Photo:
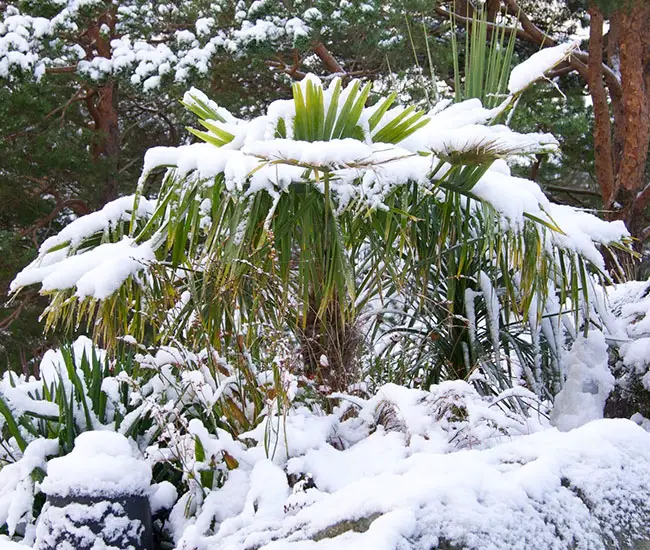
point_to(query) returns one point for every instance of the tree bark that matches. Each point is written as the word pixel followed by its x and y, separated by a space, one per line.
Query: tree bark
pixel 620 91
pixel 602 125
pixel 632 119
pixel 102 104
pixel 330 62
pixel 493 8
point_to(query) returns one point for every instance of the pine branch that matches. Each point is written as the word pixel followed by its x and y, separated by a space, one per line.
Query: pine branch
pixel 331 64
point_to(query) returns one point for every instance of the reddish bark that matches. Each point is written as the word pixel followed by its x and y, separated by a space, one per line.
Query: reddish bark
pixel 102 104
pixel 602 125
pixel 330 62
pixel 632 117
pixel 635 106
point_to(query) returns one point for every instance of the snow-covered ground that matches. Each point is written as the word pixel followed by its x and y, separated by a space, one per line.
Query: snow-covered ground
pixel 405 469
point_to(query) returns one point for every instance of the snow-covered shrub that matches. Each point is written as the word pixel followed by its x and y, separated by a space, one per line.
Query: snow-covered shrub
pixel 180 408
pixel 79 390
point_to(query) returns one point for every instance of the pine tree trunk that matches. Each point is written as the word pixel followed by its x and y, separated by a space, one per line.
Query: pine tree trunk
pixel 622 124
pixel 102 105
pixel 633 28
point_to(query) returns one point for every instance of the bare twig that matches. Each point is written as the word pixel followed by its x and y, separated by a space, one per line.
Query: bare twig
pixel 76 205
pixel 11 318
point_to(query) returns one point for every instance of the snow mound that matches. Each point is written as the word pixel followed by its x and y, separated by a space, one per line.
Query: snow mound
pixel 588 383
pixel 394 476
pixel 545 490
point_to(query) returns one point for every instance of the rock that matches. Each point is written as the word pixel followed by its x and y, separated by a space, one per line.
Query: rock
pixel 358 526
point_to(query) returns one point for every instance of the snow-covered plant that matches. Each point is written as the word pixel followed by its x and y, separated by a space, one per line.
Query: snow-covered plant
pixel 171 402
pixel 225 245
pixel 298 221
pixel 79 390
pixel 199 405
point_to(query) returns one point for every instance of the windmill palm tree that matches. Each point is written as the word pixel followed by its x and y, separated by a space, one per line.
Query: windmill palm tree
pixel 300 222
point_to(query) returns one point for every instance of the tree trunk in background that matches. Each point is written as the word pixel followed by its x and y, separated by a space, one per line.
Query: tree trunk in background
pixel 622 126
pixel 463 7
pixel 102 105
pixel 493 9
pixel 603 152
pixel 632 132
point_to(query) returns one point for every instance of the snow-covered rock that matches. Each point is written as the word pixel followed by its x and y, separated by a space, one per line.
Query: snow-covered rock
pixel 585 489
pixel 394 476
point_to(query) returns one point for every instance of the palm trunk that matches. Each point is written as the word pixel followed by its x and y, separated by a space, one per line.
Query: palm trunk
pixel 330 347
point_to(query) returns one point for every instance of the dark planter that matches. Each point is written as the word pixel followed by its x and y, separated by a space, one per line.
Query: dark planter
pixel 121 522
pixel 97 497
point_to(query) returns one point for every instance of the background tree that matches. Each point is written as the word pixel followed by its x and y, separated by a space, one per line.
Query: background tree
pixel 616 68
